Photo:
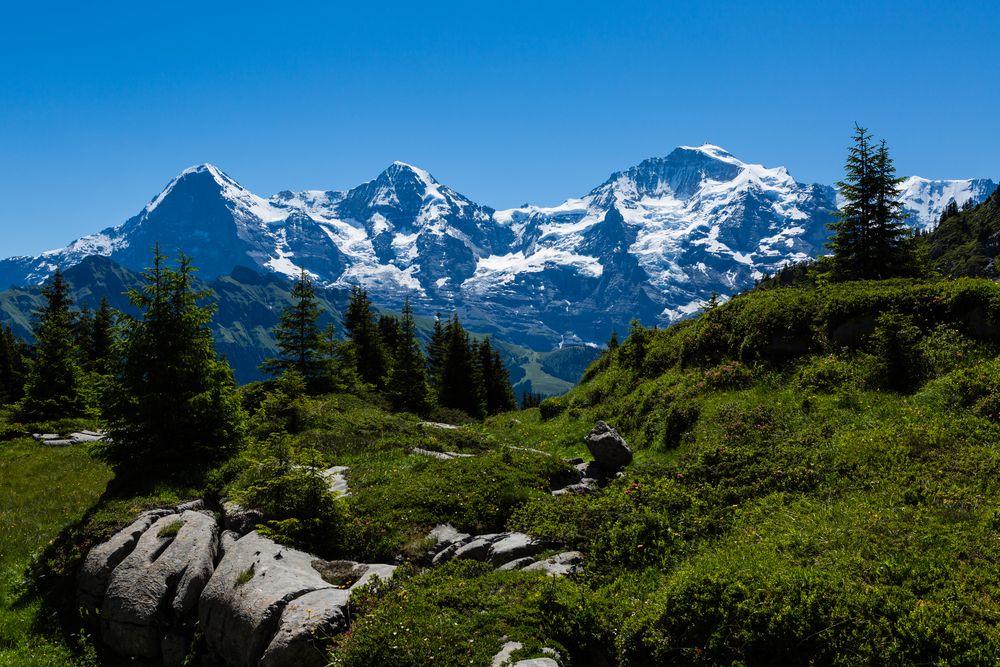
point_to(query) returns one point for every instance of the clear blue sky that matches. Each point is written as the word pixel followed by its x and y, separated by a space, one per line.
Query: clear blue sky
pixel 102 103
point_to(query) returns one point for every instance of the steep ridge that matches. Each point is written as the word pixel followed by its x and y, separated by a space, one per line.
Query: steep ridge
pixel 652 242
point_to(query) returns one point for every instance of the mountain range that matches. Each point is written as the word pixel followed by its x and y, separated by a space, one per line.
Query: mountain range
pixel 652 242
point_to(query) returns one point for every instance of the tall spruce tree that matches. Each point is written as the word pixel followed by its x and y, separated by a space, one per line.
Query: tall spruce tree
pixel 369 350
pixel 171 402
pixel 407 385
pixel 301 343
pixel 102 337
pixel 13 358
pixel 52 387
pixel 460 385
pixel 498 395
pixel 869 238
pixel 436 354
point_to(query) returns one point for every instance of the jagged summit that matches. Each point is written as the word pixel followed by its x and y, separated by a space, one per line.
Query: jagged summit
pixel 652 241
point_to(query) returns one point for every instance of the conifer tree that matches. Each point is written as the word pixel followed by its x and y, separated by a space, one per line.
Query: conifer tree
pixel 170 400
pixel 498 395
pixel 613 341
pixel 102 337
pixel 13 357
pixel 460 383
pixel 869 239
pixel 407 385
pixel 369 350
pixel 389 331
pixel 52 386
pixel 530 399
pixel 301 344
pixel 889 233
pixel 435 354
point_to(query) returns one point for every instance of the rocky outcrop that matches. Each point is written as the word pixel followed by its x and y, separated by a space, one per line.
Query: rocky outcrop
pixel 105 557
pixel 507 551
pixel 262 605
pixel 153 593
pixel 269 605
pixel 609 449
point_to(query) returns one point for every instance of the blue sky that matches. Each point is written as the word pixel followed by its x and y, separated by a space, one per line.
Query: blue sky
pixel 507 102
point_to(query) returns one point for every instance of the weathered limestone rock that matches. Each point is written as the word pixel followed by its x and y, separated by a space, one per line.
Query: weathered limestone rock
pixel 336 478
pixel 105 557
pixel 608 448
pixel 560 565
pixel 512 546
pixel 155 589
pixel 269 605
pixel 443 456
pixel 239 519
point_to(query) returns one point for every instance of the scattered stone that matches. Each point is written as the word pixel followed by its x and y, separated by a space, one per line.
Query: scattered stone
pixel 566 563
pixel 447 427
pixel 193 505
pixel 478 548
pixel 155 589
pixel 574 461
pixel 336 477
pixel 512 546
pixel 86 436
pixel 518 564
pixel 609 449
pixel 444 536
pixel 444 456
pixel 503 658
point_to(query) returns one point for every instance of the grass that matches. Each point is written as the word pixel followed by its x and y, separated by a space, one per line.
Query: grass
pixel 171 529
pixel 42 490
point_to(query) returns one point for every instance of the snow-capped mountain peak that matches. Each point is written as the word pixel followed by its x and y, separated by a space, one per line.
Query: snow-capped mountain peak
pixel 652 241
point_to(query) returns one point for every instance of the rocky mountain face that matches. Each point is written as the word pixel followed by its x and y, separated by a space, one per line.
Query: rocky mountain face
pixel 651 242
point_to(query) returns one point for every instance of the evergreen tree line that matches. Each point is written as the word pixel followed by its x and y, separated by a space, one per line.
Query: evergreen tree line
pixel 155 379
pixel 51 378
pixel 383 351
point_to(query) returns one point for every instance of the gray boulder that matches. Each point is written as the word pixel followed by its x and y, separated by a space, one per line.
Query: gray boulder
pixel 560 565
pixel 269 605
pixel 608 448
pixel 155 589
pixel 512 546
pixel 106 556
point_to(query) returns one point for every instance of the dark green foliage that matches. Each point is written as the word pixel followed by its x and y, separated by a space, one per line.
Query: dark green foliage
pixel 436 354
pixel 101 339
pixel 498 396
pixel 869 237
pixel 370 352
pixel 170 401
pixel 300 341
pixel 407 384
pixel 287 486
pixel 530 399
pixel 460 384
pixel 613 341
pixel 389 330
pixel 52 386
pixel 966 243
pixel 13 362
pixel 463 612
pixel 895 344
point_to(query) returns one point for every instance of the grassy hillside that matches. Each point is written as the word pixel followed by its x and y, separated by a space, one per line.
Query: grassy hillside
pixel 966 243
pixel 816 482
